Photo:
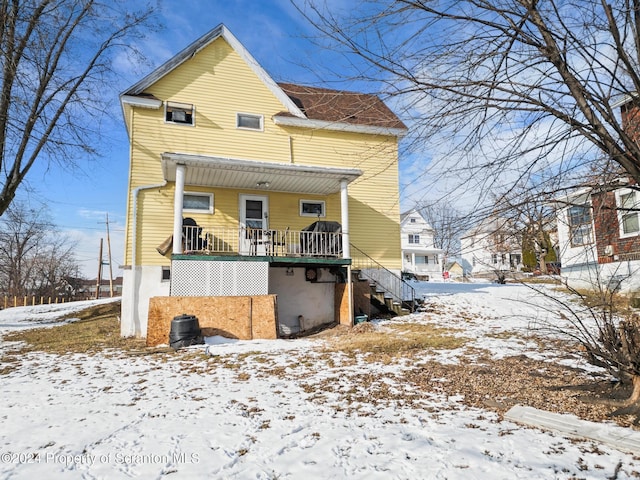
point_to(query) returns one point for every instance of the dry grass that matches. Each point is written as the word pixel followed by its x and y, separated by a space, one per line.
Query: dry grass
pixel 98 329
pixel 395 340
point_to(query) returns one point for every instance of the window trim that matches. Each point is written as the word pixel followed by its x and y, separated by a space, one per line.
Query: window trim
pixel 181 106
pixel 619 194
pixel 253 115
pixel 320 202
pixel 574 227
pixel 413 238
pixel 211 208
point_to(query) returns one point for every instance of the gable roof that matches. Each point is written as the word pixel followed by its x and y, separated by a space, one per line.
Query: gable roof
pixel 488 226
pixel 411 212
pixel 138 89
pixel 308 107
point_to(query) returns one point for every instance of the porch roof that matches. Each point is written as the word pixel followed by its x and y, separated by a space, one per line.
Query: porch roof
pixel 209 171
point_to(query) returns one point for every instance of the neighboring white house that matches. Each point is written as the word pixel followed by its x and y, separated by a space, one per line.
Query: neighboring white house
pixel 420 256
pixel 489 247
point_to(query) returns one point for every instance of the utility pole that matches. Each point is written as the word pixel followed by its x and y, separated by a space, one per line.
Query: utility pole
pixel 110 263
pixel 109 255
pixel 99 280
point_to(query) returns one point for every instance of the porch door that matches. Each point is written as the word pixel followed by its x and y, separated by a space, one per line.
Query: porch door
pixel 254 220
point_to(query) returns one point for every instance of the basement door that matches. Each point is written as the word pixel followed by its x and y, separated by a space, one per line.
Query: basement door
pixel 254 220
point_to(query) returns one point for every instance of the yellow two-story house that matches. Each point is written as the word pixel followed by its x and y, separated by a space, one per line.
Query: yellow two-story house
pixel 241 187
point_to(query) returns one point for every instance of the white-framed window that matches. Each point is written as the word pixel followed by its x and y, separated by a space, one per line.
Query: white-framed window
pixel 166 274
pixel 250 121
pixel 412 220
pixel 414 238
pixel 312 208
pixel 197 202
pixel 182 113
pixel 628 202
pixel 579 225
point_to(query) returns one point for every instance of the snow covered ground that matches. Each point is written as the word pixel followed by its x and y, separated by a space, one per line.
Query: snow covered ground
pixel 262 409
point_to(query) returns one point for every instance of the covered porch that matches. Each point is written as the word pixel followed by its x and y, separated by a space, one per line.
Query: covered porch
pixel 248 249
pixel 254 232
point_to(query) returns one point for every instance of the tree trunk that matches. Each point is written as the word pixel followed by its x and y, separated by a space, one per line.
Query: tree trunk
pixel 635 394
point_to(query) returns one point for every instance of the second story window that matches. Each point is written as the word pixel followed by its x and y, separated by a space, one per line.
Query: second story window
pixel 628 210
pixel 179 113
pixel 249 122
pixel 414 238
pixel 579 225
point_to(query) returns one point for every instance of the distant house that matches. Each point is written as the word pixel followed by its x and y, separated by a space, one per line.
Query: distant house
pixel 491 246
pixel 250 201
pixel 454 269
pixel 106 287
pixel 420 256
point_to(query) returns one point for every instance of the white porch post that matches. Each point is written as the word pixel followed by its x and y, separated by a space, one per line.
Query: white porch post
pixel 344 208
pixel 177 210
pixel 346 250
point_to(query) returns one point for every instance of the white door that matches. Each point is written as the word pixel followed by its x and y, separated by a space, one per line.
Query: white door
pixel 254 220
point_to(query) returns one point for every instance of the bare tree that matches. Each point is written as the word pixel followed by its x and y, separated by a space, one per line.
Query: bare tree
pixel 34 256
pixel 534 218
pixel 502 92
pixel 609 335
pixel 510 94
pixel 448 225
pixel 56 63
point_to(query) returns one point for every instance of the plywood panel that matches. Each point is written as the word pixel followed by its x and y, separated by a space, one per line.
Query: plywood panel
pixel 244 318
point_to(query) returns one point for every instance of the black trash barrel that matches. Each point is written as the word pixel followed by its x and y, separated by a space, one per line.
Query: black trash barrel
pixel 185 331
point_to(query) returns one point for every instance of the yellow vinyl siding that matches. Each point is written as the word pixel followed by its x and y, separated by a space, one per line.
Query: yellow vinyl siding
pixel 219 84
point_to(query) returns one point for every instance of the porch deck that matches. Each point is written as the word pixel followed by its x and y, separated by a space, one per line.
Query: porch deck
pixel 250 242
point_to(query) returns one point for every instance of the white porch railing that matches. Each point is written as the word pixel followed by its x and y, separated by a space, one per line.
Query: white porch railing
pixel 259 242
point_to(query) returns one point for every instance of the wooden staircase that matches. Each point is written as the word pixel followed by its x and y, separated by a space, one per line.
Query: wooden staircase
pixel 385 302
pixel 389 293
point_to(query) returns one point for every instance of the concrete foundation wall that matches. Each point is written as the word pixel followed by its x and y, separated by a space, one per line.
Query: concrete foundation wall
pixel 299 297
pixel 621 276
pixel 137 289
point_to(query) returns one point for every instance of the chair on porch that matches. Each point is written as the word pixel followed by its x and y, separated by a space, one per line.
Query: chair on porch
pixel 256 238
pixel 277 243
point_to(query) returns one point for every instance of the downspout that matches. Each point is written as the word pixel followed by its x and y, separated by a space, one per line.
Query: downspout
pixel 134 231
pixel 290 149
pixel 134 236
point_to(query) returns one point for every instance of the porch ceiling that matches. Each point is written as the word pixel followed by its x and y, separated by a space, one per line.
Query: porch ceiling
pixel 206 171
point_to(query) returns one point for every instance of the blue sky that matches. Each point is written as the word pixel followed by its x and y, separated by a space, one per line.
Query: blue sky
pixel 273 31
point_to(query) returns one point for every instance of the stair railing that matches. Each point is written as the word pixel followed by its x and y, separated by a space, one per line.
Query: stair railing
pixel 389 282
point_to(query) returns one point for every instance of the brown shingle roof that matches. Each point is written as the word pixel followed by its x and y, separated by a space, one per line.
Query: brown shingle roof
pixel 341 106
